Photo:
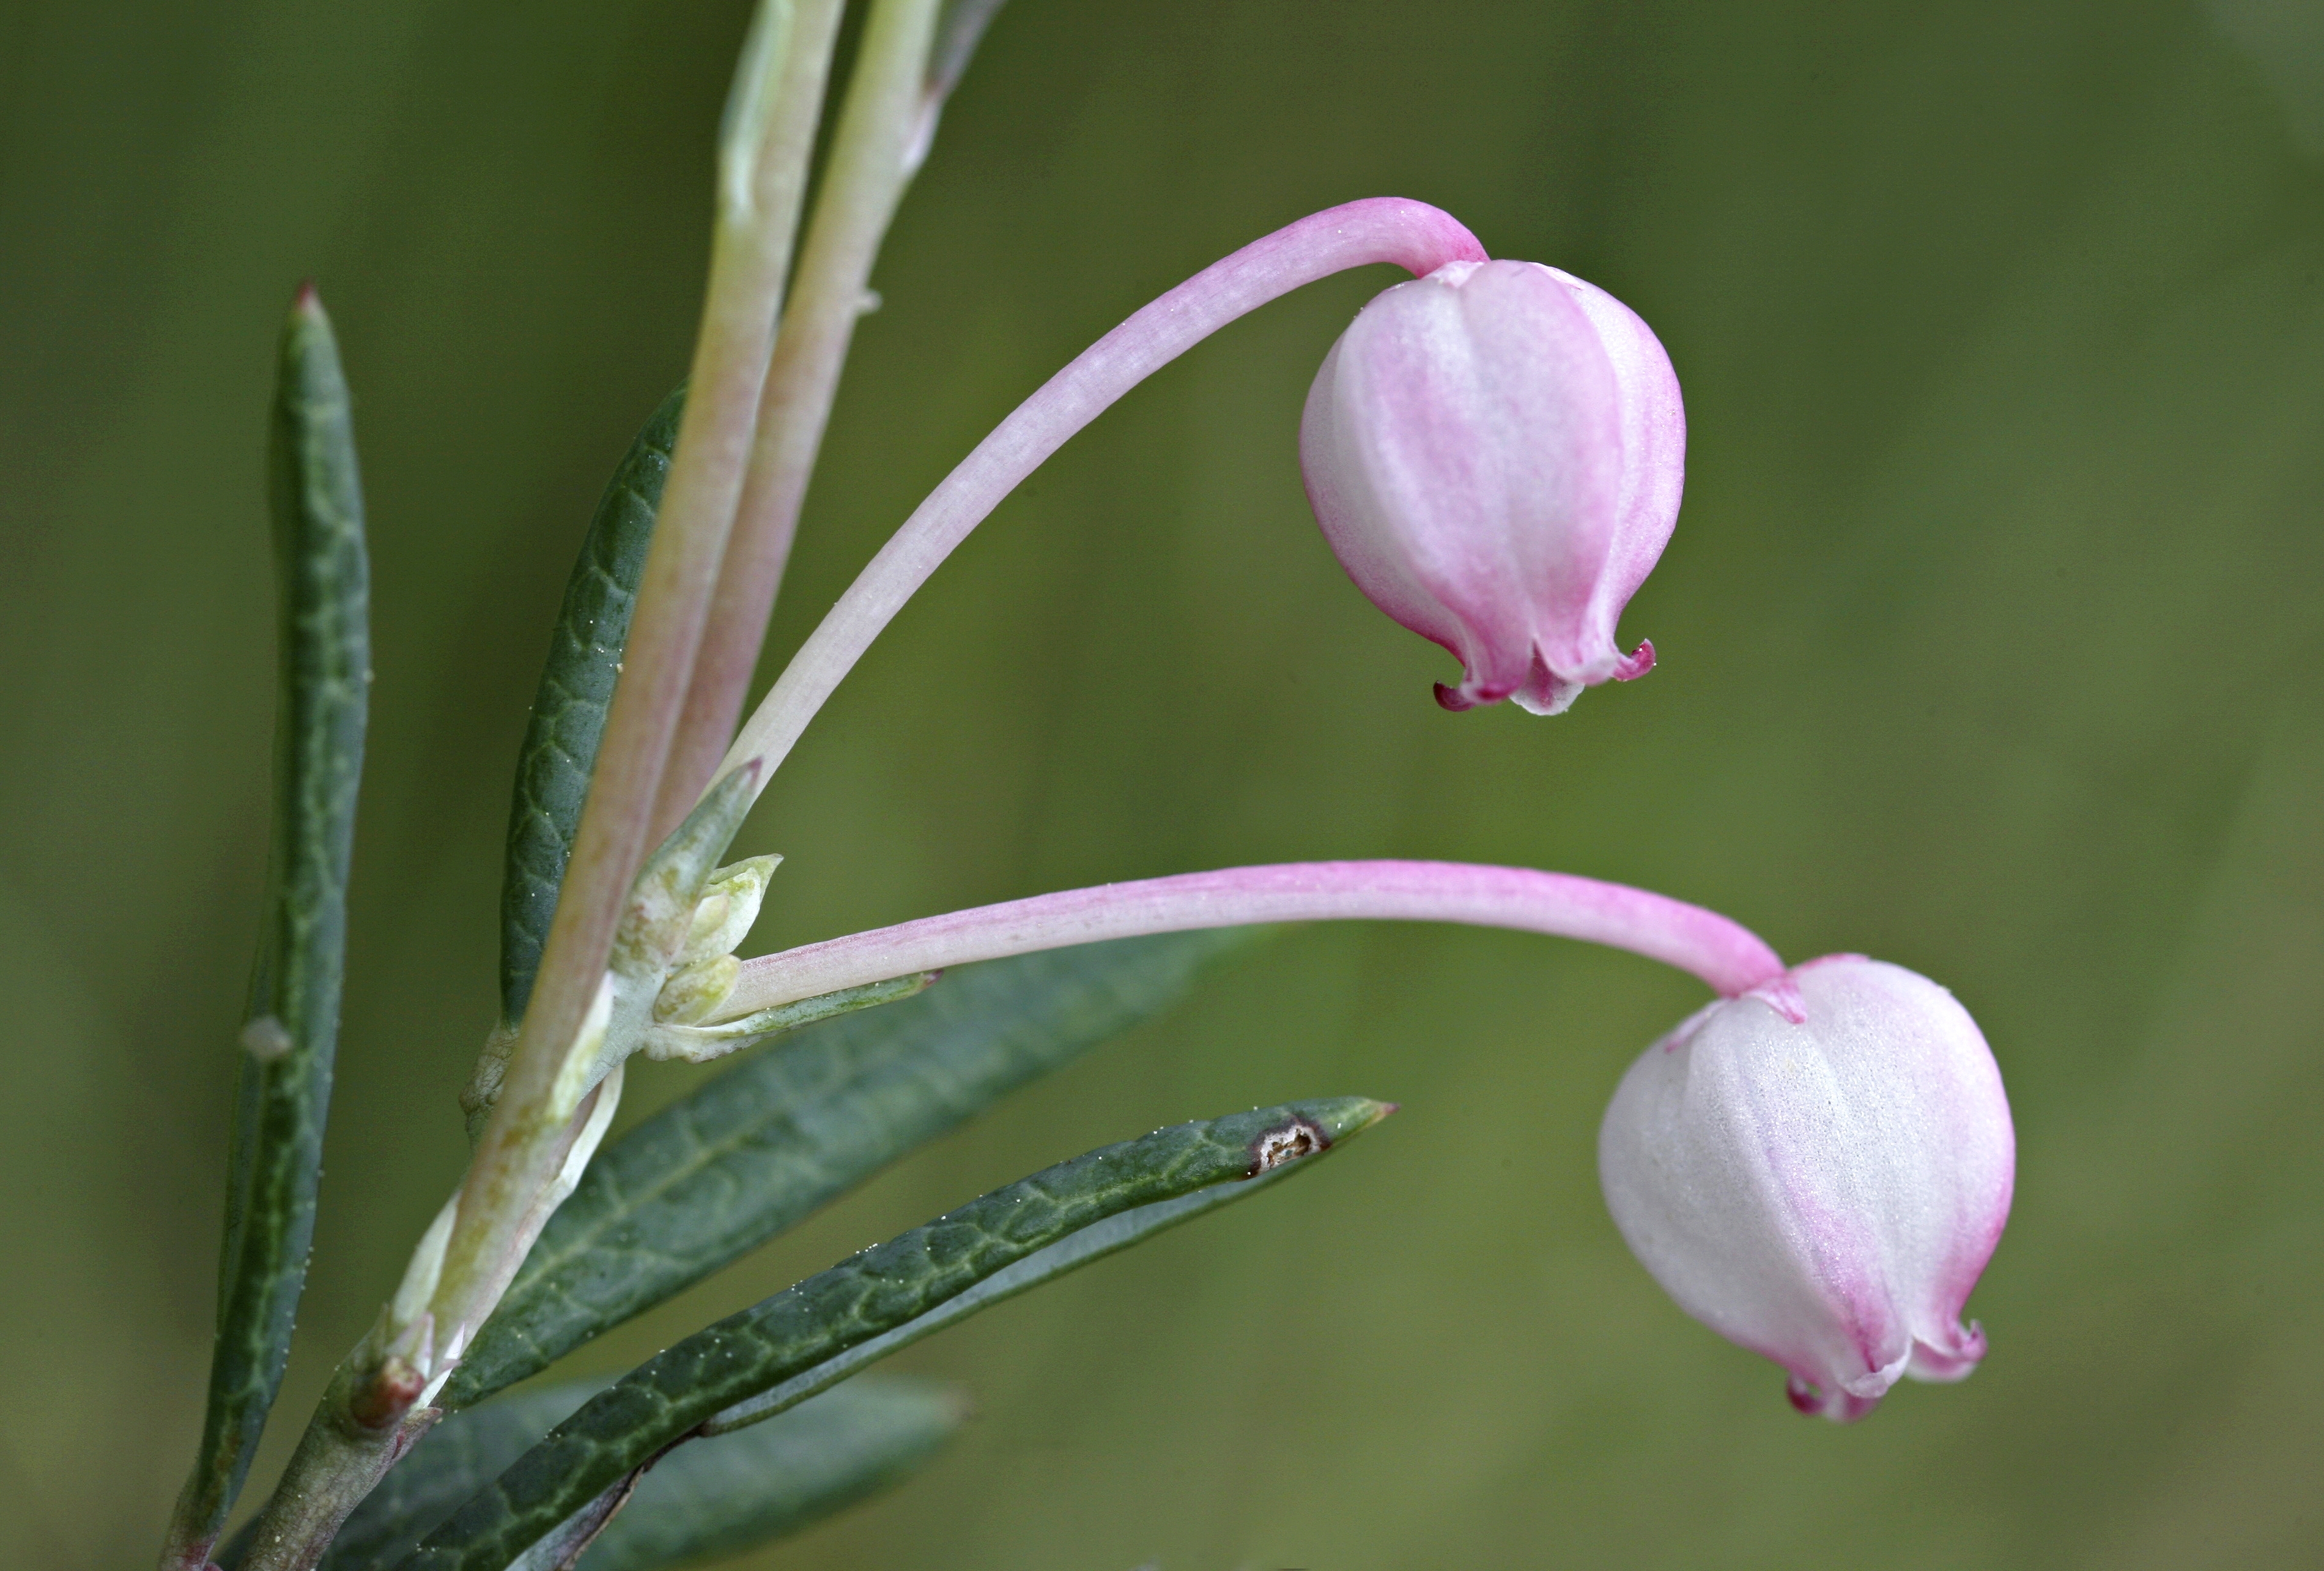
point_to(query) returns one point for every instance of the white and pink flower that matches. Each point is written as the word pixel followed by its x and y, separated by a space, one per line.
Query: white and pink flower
pixel 1495 453
pixel 1825 1192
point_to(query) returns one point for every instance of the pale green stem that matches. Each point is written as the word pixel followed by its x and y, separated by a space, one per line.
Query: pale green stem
pixel 767 144
pixel 523 1155
pixel 376 1406
pixel 339 1461
pixel 869 166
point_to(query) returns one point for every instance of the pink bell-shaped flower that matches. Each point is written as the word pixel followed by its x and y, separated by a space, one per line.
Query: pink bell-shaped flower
pixel 1495 453
pixel 1824 1193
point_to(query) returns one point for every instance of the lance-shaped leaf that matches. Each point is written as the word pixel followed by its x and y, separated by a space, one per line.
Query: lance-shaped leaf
pixel 284 1087
pixel 709 1499
pixel 700 1502
pixel 767 1143
pixel 670 1397
pixel 569 710
pixel 1094 1243
pixel 814 1386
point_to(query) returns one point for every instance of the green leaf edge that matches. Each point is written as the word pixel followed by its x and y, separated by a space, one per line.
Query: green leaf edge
pixel 1092 1244
pixel 671 1396
pixel 732 1493
pixel 1069 1254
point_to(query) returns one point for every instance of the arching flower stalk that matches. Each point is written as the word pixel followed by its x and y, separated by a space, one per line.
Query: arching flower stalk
pixel 1495 452
pixel 1730 958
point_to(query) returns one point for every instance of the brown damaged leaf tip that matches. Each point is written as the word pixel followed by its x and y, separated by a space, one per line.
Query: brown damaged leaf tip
pixel 1285 1142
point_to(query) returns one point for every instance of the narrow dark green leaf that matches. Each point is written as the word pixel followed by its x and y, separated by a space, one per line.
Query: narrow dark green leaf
pixel 671 1396
pixel 284 1087
pixel 1094 1243
pixel 710 1498
pixel 569 710
pixel 781 1134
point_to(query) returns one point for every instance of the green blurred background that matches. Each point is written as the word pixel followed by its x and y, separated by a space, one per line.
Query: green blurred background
pixel 1991 643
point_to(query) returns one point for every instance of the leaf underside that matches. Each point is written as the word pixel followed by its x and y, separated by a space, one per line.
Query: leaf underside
pixel 283 1087
pixel 762 1145
pixel 569 709
pixel 664 1400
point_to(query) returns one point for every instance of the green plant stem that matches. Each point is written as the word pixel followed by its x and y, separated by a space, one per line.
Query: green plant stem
pixel 769 139
pixel 766 145
pixel 340 1459
pixel 369 1416
pixel 871 165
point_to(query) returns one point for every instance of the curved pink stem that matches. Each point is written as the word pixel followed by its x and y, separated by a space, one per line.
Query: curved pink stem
pixel 1729 956
pixel 1413 236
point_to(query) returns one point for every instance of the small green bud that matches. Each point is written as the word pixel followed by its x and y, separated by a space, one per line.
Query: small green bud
pixel 694 992
pixel 729 904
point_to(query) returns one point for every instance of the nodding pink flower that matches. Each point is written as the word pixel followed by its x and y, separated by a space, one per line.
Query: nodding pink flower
pixel 1825 1193
pixel 1495 452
